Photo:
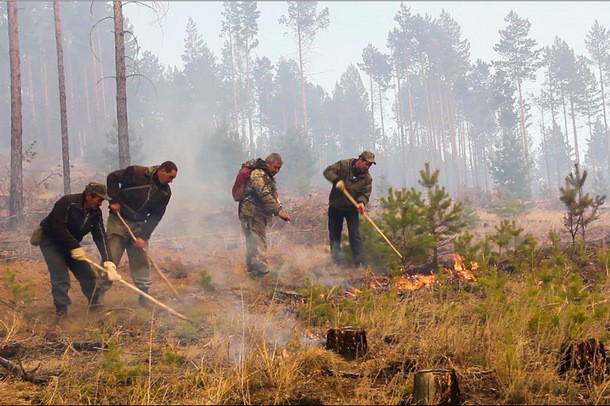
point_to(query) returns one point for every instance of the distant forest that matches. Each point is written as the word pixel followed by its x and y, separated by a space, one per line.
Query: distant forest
pixel 424 101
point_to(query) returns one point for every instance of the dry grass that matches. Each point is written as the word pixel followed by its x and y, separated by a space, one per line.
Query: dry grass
pixel 251 345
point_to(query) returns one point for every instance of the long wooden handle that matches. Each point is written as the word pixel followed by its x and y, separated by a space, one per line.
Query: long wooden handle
pixel 351 198
pixel 148 257
pixel 146 295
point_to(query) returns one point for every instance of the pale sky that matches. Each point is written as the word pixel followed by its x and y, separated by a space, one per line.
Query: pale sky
pixel 353 25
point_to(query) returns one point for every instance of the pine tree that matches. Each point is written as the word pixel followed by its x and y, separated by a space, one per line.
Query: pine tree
pixel 444 216
pixel 305 21
pixel 510 168
pixel 582 209
pixel 520 60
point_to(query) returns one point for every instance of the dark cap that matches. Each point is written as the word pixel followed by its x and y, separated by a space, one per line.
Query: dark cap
pixel 99 189
pixel 368 156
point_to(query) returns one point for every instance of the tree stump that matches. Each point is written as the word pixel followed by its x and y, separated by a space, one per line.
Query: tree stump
pixel 347 341
pixel 587 358
pixel 436 387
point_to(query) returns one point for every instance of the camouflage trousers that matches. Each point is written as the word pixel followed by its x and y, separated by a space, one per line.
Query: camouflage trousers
pixel 255 232
pixel 120 241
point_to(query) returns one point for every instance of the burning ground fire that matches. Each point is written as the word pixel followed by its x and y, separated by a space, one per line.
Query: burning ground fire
pixel 413 282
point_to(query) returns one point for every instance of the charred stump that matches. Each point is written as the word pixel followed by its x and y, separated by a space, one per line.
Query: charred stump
pixel 436 387
pixel 347 341
pixel 586 358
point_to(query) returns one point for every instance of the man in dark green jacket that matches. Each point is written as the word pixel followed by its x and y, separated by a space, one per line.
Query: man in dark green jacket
pixel 353 176
pixel 140 195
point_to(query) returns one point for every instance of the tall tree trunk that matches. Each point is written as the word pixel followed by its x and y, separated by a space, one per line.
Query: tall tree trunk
pixel 36 123
pixel 121 86
pixel 401 127
pixel 606 133
pixel 545 149
pixel 101 76
pixel 248 96
pixel 63 113
pixel 565 113
pixel 16 181
pixel 302 77
pixel 573 115
pixel 372 114
pixel 386 145
pixel 522 119
pixel 412 143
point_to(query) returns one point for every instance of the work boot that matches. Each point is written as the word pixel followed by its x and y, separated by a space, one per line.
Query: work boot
pixel 61 312
pixel 143 301
pixel 335 252
pixel 95 306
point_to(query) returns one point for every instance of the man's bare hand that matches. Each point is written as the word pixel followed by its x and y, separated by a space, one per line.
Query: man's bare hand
pixel 140 243
pixel 361 208
pixel 284 216
pixel 115 207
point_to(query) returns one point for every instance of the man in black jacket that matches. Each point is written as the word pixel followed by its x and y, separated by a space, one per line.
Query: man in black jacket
pixel 351 175
pixel 140 195
pixel 73 217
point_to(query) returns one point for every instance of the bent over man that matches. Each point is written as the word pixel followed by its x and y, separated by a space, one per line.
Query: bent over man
pixel 140 195
pixel 256 209
pixel 353 176
pixel 72 217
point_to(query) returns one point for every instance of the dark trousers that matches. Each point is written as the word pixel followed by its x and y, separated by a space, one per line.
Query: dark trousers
pixel 335 227
pixel 59 261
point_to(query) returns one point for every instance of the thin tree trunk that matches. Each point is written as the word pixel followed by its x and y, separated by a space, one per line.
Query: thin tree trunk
pixel 63 113
pixel 16 181
pixel 102 83
pixel 401 128
pixel 522 120
pixel 302 75
pixel 383 135
pixel 372 114
pixel 573 114
pixel 545 149
pixel 121 86
pixel 606 133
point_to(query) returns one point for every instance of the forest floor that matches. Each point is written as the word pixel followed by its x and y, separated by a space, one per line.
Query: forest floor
pixel 252 341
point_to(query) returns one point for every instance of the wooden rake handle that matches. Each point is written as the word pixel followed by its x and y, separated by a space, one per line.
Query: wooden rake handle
pixel 350 197
pixel 148 257
pixel 146 295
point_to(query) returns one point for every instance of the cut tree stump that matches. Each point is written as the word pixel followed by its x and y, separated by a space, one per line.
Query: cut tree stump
pixel 436 387
pixel 347 341
pixel 586 358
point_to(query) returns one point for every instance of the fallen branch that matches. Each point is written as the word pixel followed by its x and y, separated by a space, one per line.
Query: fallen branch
pixel 17 370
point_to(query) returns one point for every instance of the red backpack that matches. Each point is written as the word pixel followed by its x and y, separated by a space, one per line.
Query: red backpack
pixel 239 187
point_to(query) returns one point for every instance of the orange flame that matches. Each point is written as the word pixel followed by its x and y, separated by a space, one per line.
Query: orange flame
pixel 459 269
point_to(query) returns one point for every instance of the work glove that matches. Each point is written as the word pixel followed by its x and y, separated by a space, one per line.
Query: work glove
pixel 361 208
pixel 340 185
pixel 78 254
pixel 110 268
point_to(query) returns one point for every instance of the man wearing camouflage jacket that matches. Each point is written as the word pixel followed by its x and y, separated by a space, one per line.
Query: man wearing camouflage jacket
pixel 256 209
pixel 353 176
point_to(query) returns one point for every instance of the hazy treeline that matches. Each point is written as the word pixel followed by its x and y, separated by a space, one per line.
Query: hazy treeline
pixel 427 100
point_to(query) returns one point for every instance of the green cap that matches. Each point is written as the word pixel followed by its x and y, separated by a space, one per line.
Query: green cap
pixel 99 189
pixel 368 156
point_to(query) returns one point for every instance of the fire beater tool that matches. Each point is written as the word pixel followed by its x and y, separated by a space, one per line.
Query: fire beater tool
pixel 149 258
pixel 146 295
pixel 349 196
